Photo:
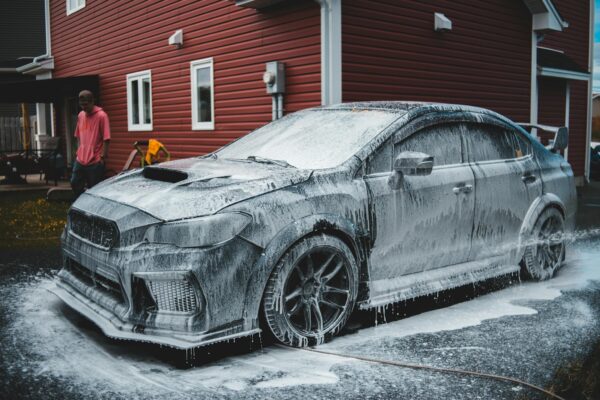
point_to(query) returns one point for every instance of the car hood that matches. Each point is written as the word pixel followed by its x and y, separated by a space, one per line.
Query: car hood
pixel 195 186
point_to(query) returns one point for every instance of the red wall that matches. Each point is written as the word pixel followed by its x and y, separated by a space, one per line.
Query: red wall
pixel 392 52
pixel 113 38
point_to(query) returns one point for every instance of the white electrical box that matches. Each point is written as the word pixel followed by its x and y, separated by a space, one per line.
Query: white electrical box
pixel 274 77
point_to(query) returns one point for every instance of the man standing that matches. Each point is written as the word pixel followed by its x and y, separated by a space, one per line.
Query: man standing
pixel 93 137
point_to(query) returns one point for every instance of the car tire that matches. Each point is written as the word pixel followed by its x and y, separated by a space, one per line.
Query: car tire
pixel 545 251
pixel 311 291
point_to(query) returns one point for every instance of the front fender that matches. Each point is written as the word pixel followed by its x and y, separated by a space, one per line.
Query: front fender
pixel 281 242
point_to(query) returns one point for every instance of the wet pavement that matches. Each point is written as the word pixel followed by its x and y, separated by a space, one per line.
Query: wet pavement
pixel 524 330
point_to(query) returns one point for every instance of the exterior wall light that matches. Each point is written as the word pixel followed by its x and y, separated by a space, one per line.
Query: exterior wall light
pixel 176 39
pixel 441 23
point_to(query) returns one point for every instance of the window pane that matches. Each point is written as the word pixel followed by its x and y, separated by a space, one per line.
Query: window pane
pixel 522 146
pixel 381 160
pixel 146 99
pixel 135 102
pixel 488 143
pixel 440 141
pixel 203 92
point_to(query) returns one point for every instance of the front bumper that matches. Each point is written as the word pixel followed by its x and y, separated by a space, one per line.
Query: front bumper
pixel 220 278
pixel 113 327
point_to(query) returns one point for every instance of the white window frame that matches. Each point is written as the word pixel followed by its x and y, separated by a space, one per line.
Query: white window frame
pixel 204 125
pixel 139 76
pixel 79 6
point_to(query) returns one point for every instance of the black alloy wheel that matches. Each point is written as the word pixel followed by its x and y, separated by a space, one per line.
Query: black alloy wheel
pixel 312 291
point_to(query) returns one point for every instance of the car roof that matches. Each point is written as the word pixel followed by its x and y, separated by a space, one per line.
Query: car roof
pixel 403 107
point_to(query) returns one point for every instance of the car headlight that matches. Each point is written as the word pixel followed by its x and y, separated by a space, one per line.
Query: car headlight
pixel 199 232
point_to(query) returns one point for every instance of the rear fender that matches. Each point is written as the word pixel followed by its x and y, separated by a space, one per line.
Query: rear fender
pixel 536 208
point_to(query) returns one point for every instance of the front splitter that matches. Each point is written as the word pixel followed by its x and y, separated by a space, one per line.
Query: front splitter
pixel 113 327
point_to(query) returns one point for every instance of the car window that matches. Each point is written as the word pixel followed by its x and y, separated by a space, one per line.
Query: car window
pixel 488 143
pixel 381 159
pixel 522 147
pixel 442 141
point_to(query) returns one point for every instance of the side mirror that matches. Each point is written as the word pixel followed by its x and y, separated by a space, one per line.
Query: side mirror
pixel 413 163
pixel 561 140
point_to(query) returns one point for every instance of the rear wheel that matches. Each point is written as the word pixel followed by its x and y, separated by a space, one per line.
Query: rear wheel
pixel 545 252
pixel 311 292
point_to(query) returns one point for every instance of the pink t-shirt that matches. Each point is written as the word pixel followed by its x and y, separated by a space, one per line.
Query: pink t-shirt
pixel 92 130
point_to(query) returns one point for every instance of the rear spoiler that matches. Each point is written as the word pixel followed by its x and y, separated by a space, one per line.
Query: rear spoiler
pixel 561 135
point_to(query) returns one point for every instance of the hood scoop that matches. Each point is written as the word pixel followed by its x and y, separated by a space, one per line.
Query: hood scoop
pixel 164 174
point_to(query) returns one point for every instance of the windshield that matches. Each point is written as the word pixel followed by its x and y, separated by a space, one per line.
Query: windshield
pixel 311 139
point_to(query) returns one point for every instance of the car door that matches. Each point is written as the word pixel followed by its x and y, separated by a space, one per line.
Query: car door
pixel 507 181
pixel 426 222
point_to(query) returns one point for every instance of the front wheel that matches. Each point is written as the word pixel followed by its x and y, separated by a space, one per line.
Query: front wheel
pixel 546 248
pixel 311 292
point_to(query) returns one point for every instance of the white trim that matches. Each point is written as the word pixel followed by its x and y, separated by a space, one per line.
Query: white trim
pixel 76 8
pixel 564 74
pixel 589 96
pixel 567 113
pixel 533 100
pixel 552 9
pixel 195 65
pixel 551 49
pixel 8 70
pixel 138 76
pixel 47 27
pixel 331 51
pixel 545 16
pixel 79 6
pixel 45 65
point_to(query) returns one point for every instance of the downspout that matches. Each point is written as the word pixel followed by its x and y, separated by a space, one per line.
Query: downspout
pixel 331 51
pixel 567 112
pixel 533 102
pixel 48 52
pixel 588 139
pixel 47 23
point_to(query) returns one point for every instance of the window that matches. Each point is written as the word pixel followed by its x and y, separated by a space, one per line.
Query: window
pixel 441 141
pixel 139 101
pixel 203 108
pixel 521 145
pixel 489 142
pixel 74 5
pixel 380 160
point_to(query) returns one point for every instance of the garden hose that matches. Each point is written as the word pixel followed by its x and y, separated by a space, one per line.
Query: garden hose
pixel 437 369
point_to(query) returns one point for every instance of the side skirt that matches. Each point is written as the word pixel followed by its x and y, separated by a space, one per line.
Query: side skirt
pixel 387 291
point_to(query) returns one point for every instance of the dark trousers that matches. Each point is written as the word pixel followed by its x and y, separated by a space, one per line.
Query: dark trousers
pixel 85 175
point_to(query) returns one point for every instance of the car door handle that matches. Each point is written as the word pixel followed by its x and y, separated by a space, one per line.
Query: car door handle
pixel 529 178
pixel 462 189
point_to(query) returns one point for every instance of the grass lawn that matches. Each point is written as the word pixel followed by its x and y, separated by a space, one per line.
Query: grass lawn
pixel 30 221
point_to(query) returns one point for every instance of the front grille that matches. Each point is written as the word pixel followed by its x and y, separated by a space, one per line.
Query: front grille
pixel 90 278
pixel 173 295
pixel 95 229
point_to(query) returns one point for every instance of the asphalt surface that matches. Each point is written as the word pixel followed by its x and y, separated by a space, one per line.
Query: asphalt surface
pixel 524 330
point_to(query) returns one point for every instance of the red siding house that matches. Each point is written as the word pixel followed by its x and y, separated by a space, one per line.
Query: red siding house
pixel 528 59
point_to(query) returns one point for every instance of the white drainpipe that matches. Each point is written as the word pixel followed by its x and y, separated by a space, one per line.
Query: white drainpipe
pixel 331 51
pixel 588 139
pixel 533 106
